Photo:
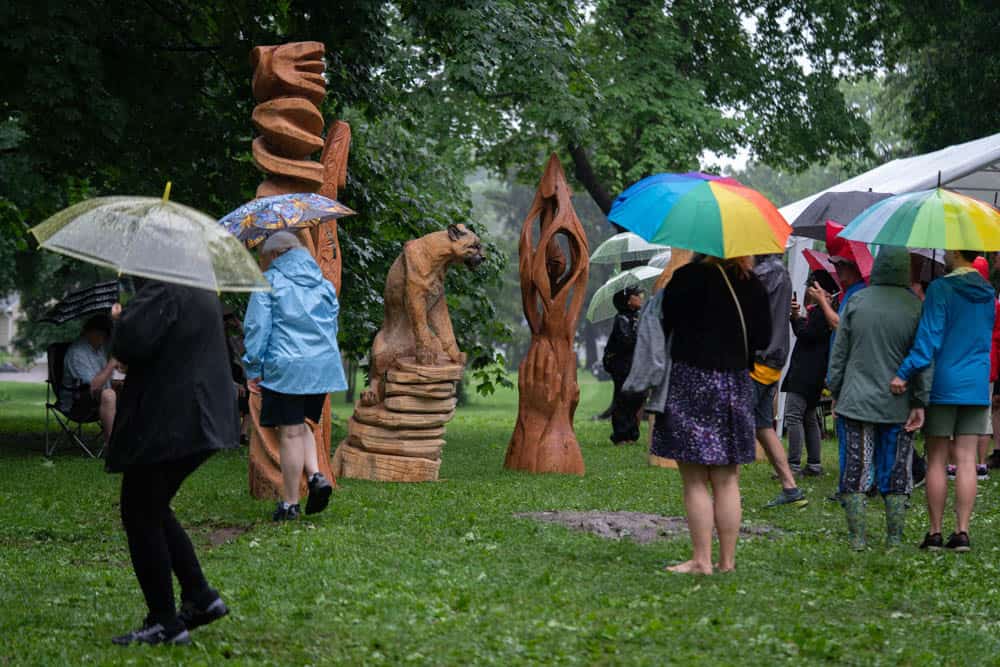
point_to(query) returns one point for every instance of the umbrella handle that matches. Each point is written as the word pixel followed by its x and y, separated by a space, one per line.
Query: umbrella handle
pixel 166 192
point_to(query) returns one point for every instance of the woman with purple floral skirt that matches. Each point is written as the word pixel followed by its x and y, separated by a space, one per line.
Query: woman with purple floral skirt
pixel 718 313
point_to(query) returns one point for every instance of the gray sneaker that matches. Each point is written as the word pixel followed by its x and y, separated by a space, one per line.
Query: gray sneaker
pixel 793 497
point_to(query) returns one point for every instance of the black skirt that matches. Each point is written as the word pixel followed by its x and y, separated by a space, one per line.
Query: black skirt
pixel 277 409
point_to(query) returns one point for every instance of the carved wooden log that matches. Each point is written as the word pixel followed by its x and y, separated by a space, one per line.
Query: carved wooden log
pixel 552 293
pixel 378 416
pixel 435 390
pixel 360 464
pixel 420 405
pixel 431 433
pixel 289 87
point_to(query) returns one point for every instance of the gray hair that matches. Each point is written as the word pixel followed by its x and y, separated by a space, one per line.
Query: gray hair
pixel 280 242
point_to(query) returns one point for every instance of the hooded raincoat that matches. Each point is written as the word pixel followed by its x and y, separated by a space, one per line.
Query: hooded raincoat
pixel 877 329
pixel 291 332
pixel 955 335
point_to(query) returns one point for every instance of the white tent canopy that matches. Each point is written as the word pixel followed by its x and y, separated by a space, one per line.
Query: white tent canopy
pixel 972 168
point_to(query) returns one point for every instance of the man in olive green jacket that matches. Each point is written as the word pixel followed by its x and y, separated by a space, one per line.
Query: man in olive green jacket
pixel 876 332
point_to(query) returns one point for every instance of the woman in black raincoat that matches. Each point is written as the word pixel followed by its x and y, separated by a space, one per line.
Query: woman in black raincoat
pixel 178 407
pixel 618 362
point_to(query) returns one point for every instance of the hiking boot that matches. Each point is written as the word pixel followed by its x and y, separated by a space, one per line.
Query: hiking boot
pixel 194 616
pixel 958 542
pixel 319 494
pixel 793 497
pixel 286 512
pixel 982 473
pixel 155 633
pixel 951 471
pixel 895 520
pixel 932 542
pixel 854 509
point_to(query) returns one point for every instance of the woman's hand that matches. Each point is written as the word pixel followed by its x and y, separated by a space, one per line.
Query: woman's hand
pixel 116 312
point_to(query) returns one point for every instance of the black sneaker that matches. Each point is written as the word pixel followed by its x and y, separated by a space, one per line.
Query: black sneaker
pixel 932 542
pixel 286 512
pixel 193 616
pixel 958 542
pixel 153 634
pixel 319 494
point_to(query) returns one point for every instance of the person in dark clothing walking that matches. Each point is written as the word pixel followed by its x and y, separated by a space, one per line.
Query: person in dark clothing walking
pixel 178 406
pixel 618 362
pixel 803 384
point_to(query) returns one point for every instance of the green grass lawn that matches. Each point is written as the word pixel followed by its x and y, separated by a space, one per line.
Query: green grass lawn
pixel 443 574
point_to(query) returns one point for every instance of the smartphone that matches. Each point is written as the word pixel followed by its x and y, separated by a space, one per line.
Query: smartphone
pixel 795 295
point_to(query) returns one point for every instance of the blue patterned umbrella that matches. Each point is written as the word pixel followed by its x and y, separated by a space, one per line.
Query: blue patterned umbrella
pixel 256 220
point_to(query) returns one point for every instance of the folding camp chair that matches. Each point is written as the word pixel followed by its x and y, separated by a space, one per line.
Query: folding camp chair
pixel 72 430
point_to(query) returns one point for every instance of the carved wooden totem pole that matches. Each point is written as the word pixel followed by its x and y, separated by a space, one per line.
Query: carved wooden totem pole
pixel 552 293
pixel 397 431
pixel 289 88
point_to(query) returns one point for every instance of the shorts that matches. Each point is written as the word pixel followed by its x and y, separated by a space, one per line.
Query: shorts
pixel 86 407
pixel 948 421
pixel 277 409
pixel 763 404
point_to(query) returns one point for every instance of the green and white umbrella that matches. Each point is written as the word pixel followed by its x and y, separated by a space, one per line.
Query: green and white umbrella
pixel 625 247
pixel 153 238
pixel 602 305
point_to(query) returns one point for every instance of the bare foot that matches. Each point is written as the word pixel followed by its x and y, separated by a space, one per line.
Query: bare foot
pixel 690 567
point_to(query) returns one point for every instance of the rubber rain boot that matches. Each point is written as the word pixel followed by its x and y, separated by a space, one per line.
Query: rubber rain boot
pixel 895 520
pixel 854 508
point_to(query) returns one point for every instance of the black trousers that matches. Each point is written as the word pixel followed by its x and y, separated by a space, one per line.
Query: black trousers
pixel 625 413
pixel 156 541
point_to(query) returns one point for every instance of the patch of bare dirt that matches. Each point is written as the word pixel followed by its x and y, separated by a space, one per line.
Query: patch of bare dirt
pixel 636 526
pixel 219 535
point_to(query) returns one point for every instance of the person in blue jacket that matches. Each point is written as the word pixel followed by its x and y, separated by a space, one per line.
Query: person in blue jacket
pixel 955 336
pixel 293 358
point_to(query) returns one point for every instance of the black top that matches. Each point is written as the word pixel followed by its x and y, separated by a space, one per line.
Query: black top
pixel 698 309
pixel 621 344
pixel 178 399
pixel 807 371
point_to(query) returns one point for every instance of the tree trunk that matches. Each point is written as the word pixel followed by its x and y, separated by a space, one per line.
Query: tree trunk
pixel 543 439
pixel 584 173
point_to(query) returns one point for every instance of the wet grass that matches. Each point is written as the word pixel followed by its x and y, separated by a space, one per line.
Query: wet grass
pixel 444 574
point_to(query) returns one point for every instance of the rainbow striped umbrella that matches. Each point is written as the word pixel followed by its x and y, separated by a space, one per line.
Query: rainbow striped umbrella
pixel 701 212
pixel 938 218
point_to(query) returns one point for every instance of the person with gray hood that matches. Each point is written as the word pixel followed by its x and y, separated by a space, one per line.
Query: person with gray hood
pixel 766 373
pixel 876 331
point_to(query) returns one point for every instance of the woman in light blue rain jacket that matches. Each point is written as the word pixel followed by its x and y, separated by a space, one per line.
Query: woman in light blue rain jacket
pixel 293 357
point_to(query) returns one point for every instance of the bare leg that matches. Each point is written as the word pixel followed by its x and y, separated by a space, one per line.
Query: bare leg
pixel 984 449
pixel 292 461
pixel 728 512
pixel 700 518
pixel 936 480
pixel 309 451
pixel 109 405
pixel 777 456
pixel 964 454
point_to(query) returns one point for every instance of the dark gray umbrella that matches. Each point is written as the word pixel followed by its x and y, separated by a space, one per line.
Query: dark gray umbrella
pixel 841 207
pixel 95 299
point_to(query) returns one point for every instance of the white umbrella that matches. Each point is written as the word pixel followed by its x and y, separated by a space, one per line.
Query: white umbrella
pixel 625 247
pixel 660 261
pixel 153 238
pixel 602 306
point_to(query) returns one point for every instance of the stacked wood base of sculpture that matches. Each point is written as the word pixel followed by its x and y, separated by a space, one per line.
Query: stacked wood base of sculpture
pixel 401 438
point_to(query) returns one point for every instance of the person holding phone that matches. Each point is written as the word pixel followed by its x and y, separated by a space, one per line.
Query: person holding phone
pixel 804 381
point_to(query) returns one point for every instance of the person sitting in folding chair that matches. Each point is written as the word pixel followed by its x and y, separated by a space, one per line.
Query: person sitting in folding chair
pixel 87 369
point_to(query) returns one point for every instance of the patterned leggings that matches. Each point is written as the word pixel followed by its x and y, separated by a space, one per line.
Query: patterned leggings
pixel 877 455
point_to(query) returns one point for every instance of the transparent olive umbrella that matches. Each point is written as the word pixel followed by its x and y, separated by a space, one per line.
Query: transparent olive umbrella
pixel 602 306
pixel 153 238
pixel 625 247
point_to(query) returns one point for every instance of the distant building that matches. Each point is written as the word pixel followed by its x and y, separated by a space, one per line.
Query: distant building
pixel 10 313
